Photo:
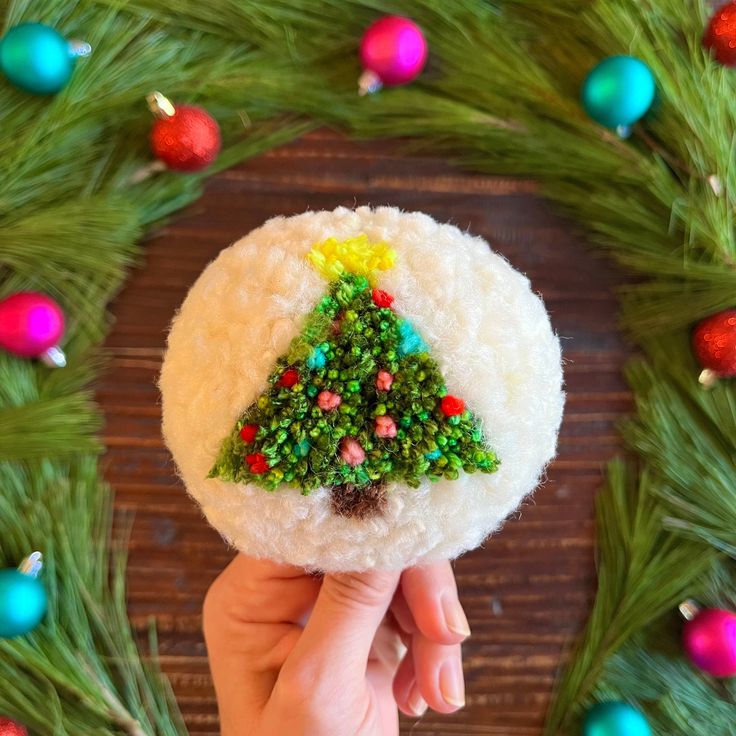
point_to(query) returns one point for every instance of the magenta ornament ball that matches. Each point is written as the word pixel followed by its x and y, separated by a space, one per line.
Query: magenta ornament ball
pixel 30 324
pixel 394 48
pixel 709 640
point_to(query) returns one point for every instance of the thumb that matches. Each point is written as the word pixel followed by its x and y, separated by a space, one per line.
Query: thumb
pixel 338 637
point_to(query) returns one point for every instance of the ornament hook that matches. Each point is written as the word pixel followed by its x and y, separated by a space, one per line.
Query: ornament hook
pixel 688 609
pixel 160 105
pixel 32 565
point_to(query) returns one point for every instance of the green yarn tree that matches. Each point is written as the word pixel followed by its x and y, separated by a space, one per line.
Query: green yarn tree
pixel 356 402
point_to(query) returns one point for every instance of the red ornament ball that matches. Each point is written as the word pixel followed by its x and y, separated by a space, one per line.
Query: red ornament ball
pixel 289 378
pixel 248 433
pixel 709 640
pixel 30 324
pixel 394 49
pixel 11 728
pixel 720 35
pixel 382 298
pixel 714 343
pixel 188 140
pixel 452 406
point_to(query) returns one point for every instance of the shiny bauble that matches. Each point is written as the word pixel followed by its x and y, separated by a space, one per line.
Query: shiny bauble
pixel 709 640
pixel 618 91
pixel 187 140
pixel 22 603
pixel 714 343
pixel 36 58
pixel 393 51
pixel 31 324
pixel 9 727
pixel 615 718
pixel 720 35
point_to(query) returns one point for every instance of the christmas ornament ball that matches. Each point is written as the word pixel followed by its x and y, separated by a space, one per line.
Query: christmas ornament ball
pixel 22 603
pixel 709 640
pixel 714 343
pixel 36 58
pixel 394 49
pixel 720 34
pixel 9 727
pixel 618 91
pixel 30 324
pixel 615 718
pixel 461 310
pixel 188 140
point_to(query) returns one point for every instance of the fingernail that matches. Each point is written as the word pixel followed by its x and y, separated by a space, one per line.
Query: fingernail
pixel 455 618
pixel 452 685
pixel 417 704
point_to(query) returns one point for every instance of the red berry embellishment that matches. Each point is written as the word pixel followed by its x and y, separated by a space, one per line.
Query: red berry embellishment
pixel 289 378
pixel 248 433
pixel 382 298
pixel 452 406
pixel 257 463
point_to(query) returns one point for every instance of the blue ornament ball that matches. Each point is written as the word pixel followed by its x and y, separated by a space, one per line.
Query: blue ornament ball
pixel 36 58
pixel 22 603
pixel 618 91
pixel 615 718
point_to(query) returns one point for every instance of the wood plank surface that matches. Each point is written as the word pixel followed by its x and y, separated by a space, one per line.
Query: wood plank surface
pixel 529 589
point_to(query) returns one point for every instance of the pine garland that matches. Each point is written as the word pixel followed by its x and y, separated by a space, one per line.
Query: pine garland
pixel 500 96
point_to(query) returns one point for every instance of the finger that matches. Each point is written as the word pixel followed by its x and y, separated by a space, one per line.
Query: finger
pixel 250 620
pixel 401 613
pixel 341 629
pixel 386 653
pixel 439 674
pixel 430 592
pixel 406 690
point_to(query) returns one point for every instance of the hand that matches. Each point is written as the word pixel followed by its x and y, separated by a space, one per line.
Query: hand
pixel 293 653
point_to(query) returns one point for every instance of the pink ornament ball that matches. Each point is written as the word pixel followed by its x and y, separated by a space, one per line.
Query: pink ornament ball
pixel 709 640
pixel 30 324
pixel 394 49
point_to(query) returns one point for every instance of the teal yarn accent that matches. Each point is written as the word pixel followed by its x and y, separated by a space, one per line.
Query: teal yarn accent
pixel 410 340
pixel 346 340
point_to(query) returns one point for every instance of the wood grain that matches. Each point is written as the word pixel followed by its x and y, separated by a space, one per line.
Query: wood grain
pixel 528 590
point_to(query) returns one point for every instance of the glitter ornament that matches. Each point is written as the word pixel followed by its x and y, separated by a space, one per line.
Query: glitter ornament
pixel 11 728
pixel 714 345
pixel 38 59
pixel 185 138
pixel 393 51
pixel 618 91
pixel 31 326
pixel 22 598
pixel 720 35
pixel 615 718
pixel 709 639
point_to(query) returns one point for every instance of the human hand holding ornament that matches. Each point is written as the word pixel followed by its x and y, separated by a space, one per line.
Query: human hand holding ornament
pixel 294 653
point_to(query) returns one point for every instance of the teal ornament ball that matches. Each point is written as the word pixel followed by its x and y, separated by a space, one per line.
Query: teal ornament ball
pixel 618 91
pixel 615 718
pixel 36 58
pixel 22 603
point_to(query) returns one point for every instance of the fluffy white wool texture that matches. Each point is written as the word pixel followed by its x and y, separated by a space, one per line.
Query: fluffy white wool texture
pixel 489 333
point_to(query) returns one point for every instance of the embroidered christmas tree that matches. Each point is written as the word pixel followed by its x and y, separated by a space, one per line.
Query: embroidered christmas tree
pixel 356 402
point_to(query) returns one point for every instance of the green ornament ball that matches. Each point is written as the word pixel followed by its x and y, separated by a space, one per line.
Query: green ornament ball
pixel 615 718
pixel 22 603
pixel 618 91
pixel 36 58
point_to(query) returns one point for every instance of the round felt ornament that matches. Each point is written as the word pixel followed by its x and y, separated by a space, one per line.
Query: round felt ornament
pixel 360 389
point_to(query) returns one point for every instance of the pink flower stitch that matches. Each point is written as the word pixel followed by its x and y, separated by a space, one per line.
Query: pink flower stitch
pixel 351 451
pixel 385 427
pixel 328 401
pixel 384 380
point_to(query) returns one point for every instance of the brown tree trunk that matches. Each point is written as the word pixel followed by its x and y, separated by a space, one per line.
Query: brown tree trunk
pixel 359 502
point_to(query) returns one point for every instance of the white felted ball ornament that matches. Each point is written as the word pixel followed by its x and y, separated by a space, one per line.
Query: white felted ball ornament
pixel 360 389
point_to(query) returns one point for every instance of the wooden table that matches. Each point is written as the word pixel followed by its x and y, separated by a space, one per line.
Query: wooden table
pixel 528 591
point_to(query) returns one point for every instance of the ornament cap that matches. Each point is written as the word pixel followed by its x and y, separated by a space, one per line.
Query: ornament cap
pixel 160 105
pixel 624 131
pixel 368 83
pixel 32 565
pixel 708 378
pixel 54 357
pixel 79 48
pixel 688 609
